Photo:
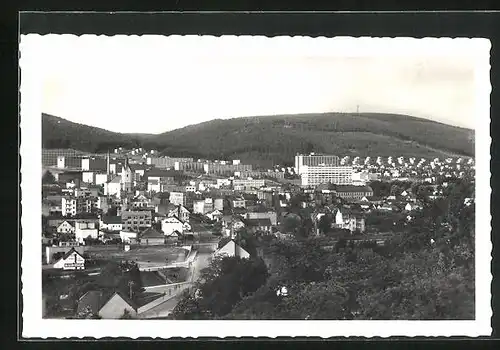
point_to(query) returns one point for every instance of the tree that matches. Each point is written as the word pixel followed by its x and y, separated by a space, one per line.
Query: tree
pixel 48 178
pixel 291 223
pixel 325 223
pixel 225 282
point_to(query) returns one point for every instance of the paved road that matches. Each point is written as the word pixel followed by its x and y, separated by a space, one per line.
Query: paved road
pixel 202 261
pixel 163 310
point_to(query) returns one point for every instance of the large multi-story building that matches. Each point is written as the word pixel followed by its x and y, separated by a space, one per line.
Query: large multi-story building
pixel 94 164
pixel 71 206
pixel 225 169
pixel 241 184
pixel 197 167
pixel 303 161
pixel 317 175
pixel 49 156
pixel 166 162
pixel 69 162
pixel 354 192
pixel 263 174
pixel 136 221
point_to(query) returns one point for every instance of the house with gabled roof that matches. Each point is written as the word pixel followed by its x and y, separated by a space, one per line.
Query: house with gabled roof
pixel 214 215
pixel 116 306
pixel 110 223
pixel 171 224
pixel 232 249
pixel 72 260
pixel 90 303
pixel 151 236
pixel 259 224
pixel 66 227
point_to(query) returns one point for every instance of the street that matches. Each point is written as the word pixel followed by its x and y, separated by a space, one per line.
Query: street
pixel 201 261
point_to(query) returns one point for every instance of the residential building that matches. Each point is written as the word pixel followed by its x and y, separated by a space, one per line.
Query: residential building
pixel 231 224
pixel 179 211
pixel 71 176
pixel 232 249
pixel 150 236
pixel 238 203
pixel 258 225
pixel 197 167
pixel 353 192
pixel 88 177
pixel 52 207
pixel 225 169
pixel 177 198
pixel 140 202
pixel 136 221
pixel 101 179
pixel 166 162
pixel 72 260
pixel 103 204
pixel 49 156
pixel 218 204
pixel 278 175
pixel 66 227
pixel 243 184
pixel 110 223
pixel 94 164
pixel 190 188
pixel 116 306
pixel 159 180
pixel 223 183
pixel 271 215
pixel 203 206
pixel 171 224
pixel 214 215
pixel 316 175
pixel 314 160
pixel 71 206
pixel 85 230
pixel 128 236
pixel 349 220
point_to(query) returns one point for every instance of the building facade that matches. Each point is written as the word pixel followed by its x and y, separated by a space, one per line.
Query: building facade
pixel 136 221
pixel 248 183
pixel 313 160
pixel 317 175
pixel 354 192
pixel 177 198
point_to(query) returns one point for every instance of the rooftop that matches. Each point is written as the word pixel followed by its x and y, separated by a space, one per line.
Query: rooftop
pixel 351 188
pixel 112 219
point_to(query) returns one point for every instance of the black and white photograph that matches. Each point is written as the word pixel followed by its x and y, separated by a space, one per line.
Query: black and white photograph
pixel 246 178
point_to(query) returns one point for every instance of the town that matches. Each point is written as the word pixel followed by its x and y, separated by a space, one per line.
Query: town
pixel 129 233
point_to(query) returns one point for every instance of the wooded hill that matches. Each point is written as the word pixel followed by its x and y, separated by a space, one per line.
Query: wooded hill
pixel 276 139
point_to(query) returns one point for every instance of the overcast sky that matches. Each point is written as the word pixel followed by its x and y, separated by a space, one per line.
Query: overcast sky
pixel 157 84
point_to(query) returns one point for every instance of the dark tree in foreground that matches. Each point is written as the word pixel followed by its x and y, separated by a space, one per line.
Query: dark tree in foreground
pixel 225 282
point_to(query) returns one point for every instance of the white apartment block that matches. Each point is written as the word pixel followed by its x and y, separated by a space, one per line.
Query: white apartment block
pixel 312 160
pixel 249 183
pixel 68 206
pixel 316 175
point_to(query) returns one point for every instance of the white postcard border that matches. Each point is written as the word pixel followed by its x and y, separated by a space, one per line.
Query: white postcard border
pixel 31 65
